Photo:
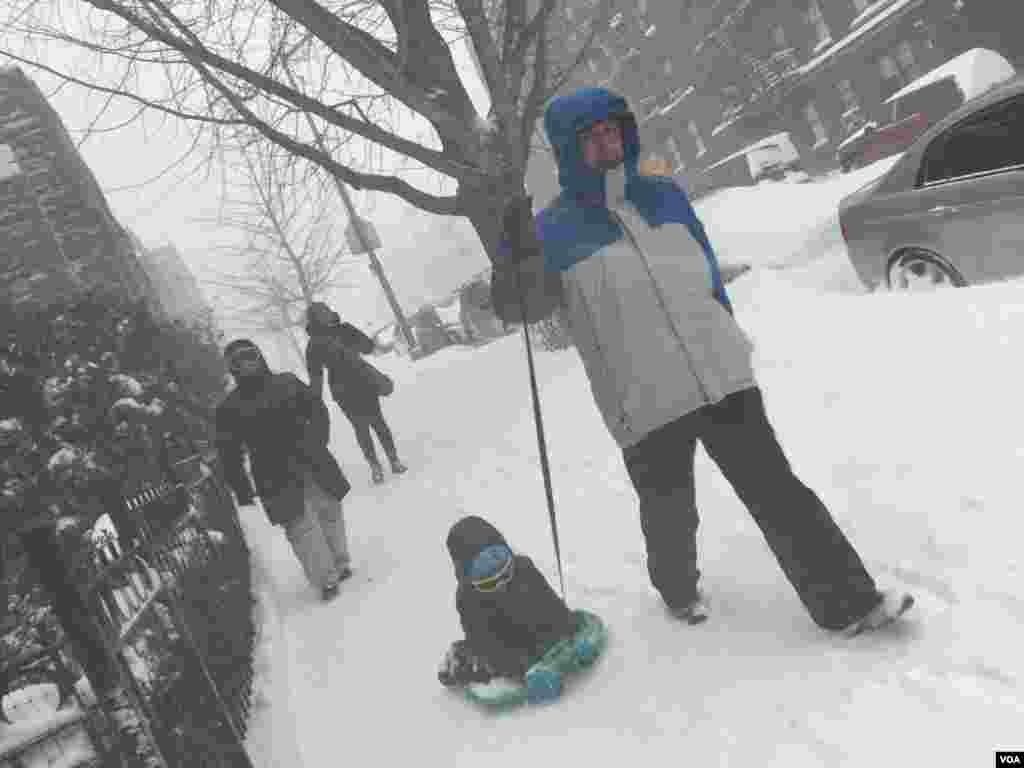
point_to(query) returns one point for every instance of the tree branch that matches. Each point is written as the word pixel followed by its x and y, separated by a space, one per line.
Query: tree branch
pixel 380 66
pixel 195 52
pixel 191 116
pixel 486 50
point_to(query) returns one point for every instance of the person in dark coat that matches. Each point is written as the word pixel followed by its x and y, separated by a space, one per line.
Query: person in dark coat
pixel 284 428
pixel 510 614
pixel 337 346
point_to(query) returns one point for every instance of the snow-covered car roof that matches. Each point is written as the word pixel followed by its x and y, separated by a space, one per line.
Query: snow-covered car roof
pixel 975 71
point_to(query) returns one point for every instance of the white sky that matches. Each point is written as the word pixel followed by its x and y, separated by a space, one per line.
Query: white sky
pixel 170 209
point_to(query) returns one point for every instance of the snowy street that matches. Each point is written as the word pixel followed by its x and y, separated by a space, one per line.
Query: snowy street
pixel 903 413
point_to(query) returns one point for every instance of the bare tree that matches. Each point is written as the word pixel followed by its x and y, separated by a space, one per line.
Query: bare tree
pixel 287 239
pixel 287 71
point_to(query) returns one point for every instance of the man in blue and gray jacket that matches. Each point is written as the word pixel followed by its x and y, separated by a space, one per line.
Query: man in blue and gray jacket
pixel 627 260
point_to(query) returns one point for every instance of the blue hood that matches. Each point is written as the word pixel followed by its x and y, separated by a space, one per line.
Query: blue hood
pixel 566 117
pixel 577 225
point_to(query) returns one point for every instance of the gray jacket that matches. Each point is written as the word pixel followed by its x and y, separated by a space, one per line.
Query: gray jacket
pixel 655 342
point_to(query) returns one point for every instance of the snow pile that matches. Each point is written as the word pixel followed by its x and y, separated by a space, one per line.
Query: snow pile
pixel 774 224
pixel 270 737
pixel 35 720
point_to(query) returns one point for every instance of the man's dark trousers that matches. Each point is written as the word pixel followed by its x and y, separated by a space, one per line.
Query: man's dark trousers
pixel 815 555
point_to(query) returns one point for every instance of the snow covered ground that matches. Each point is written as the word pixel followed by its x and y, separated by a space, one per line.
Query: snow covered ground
pixel 903 412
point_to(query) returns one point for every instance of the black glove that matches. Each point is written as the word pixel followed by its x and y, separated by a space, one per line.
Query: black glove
pixel 461 667
pixel 518 231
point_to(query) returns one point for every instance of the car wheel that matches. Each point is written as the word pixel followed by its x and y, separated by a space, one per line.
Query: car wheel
pixel 917 270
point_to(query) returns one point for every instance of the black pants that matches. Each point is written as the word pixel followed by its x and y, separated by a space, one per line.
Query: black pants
pixel 365 415
pixel 813 552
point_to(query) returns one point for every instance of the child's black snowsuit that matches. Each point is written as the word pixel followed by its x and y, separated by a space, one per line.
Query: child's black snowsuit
pixel 507 630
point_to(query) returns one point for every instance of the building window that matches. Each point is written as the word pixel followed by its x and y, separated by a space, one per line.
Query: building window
pixel 848 95
pixel 701 146
pixel 779 35
pixel 817 20
pixel 817 125
pixel 907 60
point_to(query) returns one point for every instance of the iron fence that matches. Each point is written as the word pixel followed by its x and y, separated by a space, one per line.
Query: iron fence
pixel 156 610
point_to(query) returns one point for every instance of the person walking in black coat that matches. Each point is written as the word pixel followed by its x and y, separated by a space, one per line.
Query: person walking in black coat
pixel 284 428
pixel 354 384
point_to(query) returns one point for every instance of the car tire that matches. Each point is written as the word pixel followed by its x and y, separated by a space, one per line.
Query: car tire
pixel 917 269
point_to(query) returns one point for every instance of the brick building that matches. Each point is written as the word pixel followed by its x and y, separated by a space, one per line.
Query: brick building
pixel 174 284
pixel 57 232
pixel 639 52
pixel 815 68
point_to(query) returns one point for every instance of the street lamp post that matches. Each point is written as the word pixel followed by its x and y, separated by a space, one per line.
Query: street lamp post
pixel 361 235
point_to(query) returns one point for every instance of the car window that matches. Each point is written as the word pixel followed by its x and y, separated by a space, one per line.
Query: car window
pixel 988 141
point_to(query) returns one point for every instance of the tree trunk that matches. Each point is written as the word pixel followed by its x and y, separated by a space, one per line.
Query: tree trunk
pixel 484 208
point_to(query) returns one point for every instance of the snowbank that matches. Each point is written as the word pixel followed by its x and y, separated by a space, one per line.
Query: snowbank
pixel 775 224
pixel 270 737
pixel 48 735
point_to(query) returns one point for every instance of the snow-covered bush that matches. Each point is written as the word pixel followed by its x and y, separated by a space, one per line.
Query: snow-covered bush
pixel 97 397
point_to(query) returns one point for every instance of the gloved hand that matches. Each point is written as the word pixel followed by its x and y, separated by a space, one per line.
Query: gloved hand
pixel 460 667
pixel 542 685
pixel 518 231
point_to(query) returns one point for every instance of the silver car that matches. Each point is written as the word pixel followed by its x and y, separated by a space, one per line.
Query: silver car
pixel 951 210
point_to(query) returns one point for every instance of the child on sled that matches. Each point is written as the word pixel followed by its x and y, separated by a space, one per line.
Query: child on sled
pixel 510 614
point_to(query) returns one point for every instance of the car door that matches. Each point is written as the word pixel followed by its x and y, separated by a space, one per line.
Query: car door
pixel 970 193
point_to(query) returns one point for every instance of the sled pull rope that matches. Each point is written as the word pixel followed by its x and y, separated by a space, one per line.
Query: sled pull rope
pixel 545 467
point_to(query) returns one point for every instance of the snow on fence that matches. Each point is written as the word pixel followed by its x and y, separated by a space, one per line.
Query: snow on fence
pixel 157 612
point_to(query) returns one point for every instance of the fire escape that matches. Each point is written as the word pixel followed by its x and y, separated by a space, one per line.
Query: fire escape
pixel 758 78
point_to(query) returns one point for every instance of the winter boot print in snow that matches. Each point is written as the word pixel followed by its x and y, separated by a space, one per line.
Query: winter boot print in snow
pixel 890 607
pixel 693 612
pixel 377 474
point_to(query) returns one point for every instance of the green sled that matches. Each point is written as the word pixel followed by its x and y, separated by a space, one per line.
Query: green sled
pixel 566 657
